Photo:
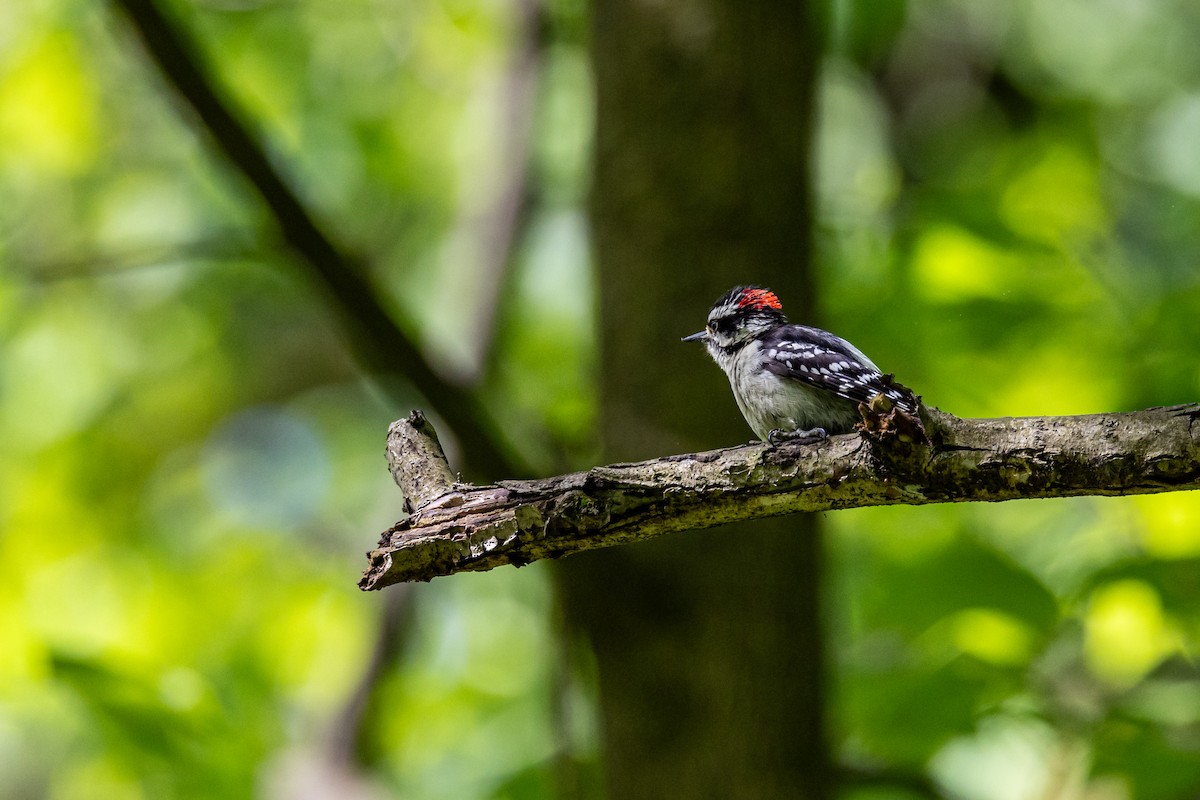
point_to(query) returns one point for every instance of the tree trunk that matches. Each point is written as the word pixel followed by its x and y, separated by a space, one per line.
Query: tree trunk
pixel 708 645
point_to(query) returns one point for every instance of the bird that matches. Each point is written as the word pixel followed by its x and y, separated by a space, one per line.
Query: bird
pixel 799 383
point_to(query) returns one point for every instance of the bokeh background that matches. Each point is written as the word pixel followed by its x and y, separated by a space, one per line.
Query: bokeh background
pixel 191 448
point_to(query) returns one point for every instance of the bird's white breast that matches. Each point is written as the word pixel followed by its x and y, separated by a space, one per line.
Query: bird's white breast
pixel 769 401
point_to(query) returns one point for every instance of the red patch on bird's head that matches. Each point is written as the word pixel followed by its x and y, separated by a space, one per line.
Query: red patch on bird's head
pixel 758 299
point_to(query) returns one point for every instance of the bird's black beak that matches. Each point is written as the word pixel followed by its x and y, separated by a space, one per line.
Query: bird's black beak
pixel 702 336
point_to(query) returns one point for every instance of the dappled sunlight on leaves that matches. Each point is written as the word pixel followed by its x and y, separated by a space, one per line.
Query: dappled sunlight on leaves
pixel 1056 200
pixel 992 636
pixel 1170 528
pixel 49 108
pixel 1127 634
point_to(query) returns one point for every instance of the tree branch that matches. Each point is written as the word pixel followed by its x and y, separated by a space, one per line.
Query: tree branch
pixel 472 528
pixel 373 333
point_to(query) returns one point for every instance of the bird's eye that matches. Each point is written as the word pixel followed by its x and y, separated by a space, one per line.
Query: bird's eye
pixel 720 325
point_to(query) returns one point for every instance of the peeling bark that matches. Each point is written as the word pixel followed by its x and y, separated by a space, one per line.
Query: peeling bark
pixel 459 527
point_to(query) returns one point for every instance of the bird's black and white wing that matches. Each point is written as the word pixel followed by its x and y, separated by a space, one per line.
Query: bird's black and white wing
pixel 830 363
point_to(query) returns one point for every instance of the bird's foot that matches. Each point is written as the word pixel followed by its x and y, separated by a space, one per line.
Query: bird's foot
pixel 778 436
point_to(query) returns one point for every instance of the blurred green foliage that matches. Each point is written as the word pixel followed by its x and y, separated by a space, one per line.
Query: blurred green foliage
pixel 190 465
pixel 1017 229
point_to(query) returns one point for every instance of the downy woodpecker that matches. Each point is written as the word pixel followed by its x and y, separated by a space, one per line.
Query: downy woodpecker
pixel 793 382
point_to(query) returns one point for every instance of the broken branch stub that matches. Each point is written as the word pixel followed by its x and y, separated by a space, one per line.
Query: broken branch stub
pixel 417 462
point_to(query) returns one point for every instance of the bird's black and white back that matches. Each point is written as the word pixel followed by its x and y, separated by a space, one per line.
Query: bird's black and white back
pixel 829 363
